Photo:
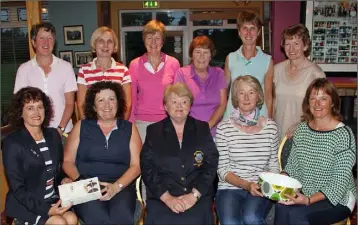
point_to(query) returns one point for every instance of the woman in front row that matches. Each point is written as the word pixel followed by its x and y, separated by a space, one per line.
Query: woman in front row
pixel 32 158
pixel 105 146
pixel 322 158
pixel 247 144
pixel 179 161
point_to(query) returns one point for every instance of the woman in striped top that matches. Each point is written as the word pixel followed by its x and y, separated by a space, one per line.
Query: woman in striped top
pixel 321 158
pixel 104 43
pixel 32 158
pixel 247 144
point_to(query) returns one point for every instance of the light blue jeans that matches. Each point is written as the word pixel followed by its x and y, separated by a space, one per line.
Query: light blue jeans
pixel 239 207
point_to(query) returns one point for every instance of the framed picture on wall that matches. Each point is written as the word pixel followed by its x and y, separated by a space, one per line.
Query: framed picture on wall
pixel 67 56
pixel 5 15
pixel 21 14
pixel 83 58
pixel 73 35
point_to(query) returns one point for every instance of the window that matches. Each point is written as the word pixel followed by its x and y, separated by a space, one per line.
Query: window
pixel 172 18
pixel 14 48
pixel 133 19
pixel 225 41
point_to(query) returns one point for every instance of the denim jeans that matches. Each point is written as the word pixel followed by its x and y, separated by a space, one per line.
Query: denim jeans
pixel 239 207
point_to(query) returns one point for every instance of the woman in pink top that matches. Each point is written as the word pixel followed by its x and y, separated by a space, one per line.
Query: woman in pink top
pixel 104 44
pixel 150 74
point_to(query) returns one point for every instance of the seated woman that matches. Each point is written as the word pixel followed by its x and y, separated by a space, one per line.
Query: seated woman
pixel 32 158
pixel 247 144
pixel 207 83
pixel 105 146
pixel 321 158
pixel 179 161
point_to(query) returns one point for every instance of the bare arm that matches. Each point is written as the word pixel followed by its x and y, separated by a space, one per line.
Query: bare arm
pixel 135 147
pixel 81 93
pixel 69 106
pixel 128 92
pixel 227 72
pixel 70 152
pixel 219 112
pixel 268 89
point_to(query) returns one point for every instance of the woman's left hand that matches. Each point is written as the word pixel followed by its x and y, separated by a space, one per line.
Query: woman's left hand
pixel 189 200
pixel 109 189
pixel 66 180
pixel 300 199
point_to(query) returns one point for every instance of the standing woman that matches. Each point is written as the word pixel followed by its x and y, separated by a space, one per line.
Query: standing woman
pixel 293 76
pixel 207 83
pixel 250 60
pixel 104 44
pixel 32 158
pixel 151 73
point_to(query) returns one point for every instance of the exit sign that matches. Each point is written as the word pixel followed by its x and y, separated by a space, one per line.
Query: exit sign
pixel 150 4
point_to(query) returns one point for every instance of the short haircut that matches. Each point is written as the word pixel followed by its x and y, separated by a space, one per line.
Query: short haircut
pixel 98 33
pixel 248 17
pixel 152 27
pixel 179 89
pixel 48 27
pixel 299 31
pixel 252 82
pixel 326 86
pixel 202 41
pixel 24 96
pixel 96 88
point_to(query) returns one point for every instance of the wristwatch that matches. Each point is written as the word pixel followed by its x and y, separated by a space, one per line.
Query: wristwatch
pixel 119 185
pixel 61 128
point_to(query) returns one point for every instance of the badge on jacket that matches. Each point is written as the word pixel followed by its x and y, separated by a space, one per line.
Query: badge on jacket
pixel 198 157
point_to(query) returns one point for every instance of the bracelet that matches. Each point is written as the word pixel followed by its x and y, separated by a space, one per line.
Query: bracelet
pixel 80 177
pixel 309 201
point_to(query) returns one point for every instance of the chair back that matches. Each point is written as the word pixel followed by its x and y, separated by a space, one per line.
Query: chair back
pixel 140 207
pixel 284 151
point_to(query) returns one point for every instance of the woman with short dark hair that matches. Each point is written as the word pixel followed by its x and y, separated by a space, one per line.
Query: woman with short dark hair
pixel 292 77
pixel 32 157
pixel 207 83
pixel 106 146
pixel 322 157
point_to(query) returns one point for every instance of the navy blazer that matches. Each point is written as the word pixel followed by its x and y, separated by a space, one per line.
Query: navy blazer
pixel 167 167
pixel 25 172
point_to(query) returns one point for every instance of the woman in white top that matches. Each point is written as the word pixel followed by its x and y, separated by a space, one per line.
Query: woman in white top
pixel 293 76
pixel 247 145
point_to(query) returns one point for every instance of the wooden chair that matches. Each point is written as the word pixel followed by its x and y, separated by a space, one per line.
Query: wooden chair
pixel 140 206
pixel 284 151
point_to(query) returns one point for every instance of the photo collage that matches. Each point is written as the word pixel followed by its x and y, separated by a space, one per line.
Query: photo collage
pixel 334 36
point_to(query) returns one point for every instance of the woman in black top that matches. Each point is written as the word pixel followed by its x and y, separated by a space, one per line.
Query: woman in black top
pixel 32 158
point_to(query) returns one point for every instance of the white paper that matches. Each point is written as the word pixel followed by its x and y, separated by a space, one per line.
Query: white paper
pixel 80 192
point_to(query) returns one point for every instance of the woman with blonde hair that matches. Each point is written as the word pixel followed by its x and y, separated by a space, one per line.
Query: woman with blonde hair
pixel 250 60
pixel 247 143
pixel 151 73
pixel 104 43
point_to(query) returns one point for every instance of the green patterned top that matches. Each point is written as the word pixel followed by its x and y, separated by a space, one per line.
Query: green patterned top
pixel 323 161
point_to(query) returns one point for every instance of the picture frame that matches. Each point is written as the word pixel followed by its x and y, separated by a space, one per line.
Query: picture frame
pixel 83 57
pixel 73 35
pixel 21 14
pixel 5 15
pixel 67 56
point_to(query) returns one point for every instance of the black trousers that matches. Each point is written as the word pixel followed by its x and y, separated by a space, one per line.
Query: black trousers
pixel 320 213
pixel 119 210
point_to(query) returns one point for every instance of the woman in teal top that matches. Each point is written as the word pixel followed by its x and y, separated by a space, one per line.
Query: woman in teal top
pixel 250 60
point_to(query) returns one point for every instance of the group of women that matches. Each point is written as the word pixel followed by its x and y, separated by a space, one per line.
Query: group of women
pixel 176 112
